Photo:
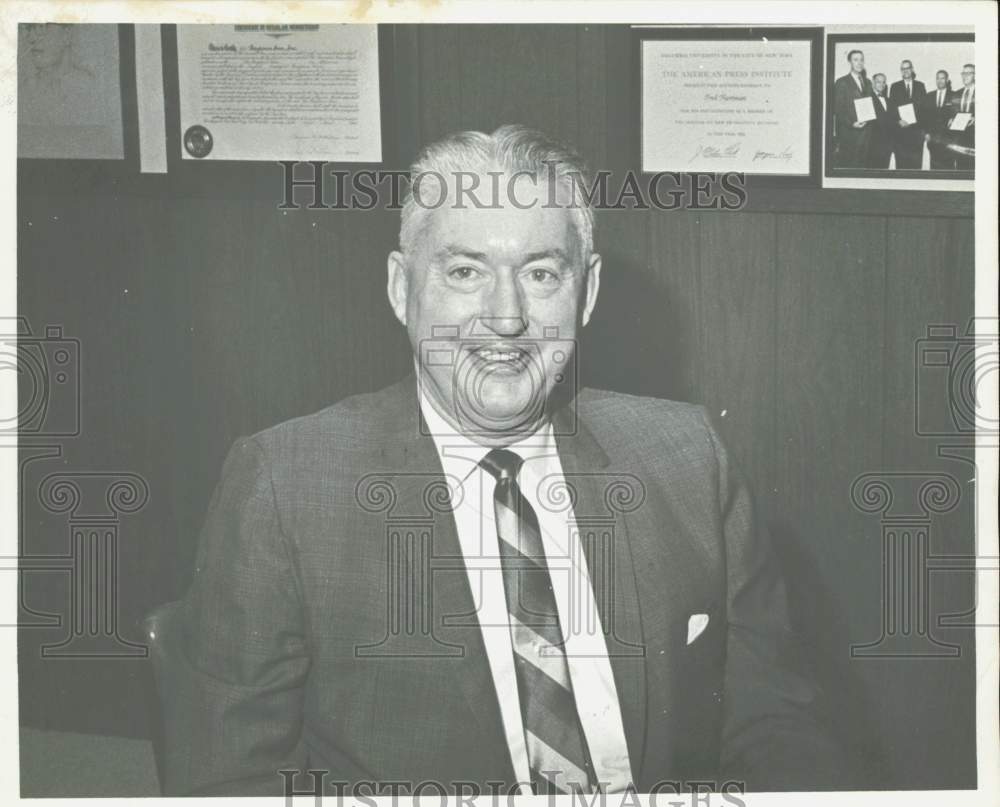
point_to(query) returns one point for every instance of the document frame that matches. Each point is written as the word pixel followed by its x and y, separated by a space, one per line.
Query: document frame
pixel 944 156
pixel 102 169
pixel 743 146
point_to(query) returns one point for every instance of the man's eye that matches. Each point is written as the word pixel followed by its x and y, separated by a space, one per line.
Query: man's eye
pixel 462 272
pixel 539 275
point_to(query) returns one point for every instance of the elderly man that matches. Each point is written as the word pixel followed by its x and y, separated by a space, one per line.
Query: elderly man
pixel 484 577
pixel 886 122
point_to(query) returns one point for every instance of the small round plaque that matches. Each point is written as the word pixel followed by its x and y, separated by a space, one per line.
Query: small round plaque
pixel 198 141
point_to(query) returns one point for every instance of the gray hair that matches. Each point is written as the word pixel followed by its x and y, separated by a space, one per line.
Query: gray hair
pixel 511 149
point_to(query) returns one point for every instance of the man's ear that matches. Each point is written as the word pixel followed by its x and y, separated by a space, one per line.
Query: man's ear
pixel 398 285
pixel 593 285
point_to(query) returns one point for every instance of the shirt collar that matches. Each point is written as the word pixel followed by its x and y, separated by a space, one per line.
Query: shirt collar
pixel 460 454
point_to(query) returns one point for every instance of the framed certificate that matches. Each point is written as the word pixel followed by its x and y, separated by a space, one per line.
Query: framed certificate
pixel 732 100
pixel 277 92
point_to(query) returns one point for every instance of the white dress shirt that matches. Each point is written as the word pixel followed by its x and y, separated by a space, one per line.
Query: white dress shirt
pixel 586 652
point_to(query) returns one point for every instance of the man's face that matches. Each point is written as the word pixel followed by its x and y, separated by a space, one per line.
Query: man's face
pixel 492 300
pixel 906 68
pixel 879 83
pixel 857 62
pixel 968 76
pixel 942 81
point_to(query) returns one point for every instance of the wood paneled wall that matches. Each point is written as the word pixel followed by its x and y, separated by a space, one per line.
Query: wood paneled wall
pixel 205 313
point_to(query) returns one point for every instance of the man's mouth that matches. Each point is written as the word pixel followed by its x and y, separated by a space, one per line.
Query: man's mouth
pixel 507 356
pixel 499 355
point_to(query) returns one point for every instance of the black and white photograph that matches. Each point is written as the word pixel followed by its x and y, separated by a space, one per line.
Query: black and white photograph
pixel 69 91
pixel 901 105
pixel 492 404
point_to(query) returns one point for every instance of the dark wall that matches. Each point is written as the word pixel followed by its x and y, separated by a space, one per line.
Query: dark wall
pixel 203 313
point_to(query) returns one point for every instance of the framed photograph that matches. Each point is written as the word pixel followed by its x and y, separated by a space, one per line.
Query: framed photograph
pixel 69 91
pixel 901 106
pixel 732 99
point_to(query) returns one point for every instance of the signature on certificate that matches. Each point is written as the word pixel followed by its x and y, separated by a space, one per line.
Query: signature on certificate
pixel 715 152
pixel 785 154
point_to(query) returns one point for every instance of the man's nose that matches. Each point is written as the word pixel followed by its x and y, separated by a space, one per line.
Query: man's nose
pixel 504 313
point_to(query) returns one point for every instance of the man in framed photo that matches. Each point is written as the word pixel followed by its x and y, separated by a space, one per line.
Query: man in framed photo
pixel 851 136
pixel 964 101
pixel 886 124
pixel 909 145
pixel 937 112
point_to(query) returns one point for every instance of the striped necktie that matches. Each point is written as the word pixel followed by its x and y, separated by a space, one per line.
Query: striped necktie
pixel 556 745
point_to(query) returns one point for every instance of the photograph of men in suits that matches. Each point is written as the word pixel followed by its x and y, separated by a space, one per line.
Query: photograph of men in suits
pixel 886 123
pixel 909 146
pixel 964 100
pixel 851 136
pixel 937 111
pixel 280 657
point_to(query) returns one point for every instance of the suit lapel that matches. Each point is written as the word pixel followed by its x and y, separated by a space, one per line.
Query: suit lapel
pixel 603 530
pixel 421 488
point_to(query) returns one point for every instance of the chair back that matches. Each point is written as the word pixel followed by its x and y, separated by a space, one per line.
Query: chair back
pixel 160 627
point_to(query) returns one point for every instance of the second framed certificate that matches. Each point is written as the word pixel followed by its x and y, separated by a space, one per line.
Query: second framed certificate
pixel 732 99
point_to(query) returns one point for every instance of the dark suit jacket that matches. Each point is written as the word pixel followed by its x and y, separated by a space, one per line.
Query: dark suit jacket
pixel 852 144
pixel 935 122
pixel 898 95
pixel 284 654
pixel 883 133
pixel 909 145
pixel 933 118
